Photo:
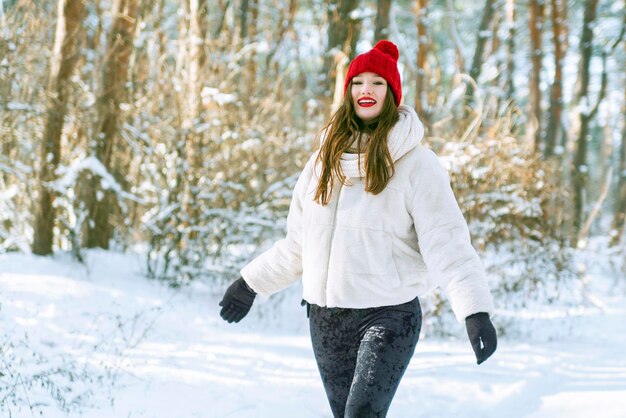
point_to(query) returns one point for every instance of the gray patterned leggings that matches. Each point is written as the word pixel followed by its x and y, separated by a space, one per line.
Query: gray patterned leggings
pixel 363 353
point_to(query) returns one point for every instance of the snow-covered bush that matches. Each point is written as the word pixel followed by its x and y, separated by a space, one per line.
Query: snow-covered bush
pixel 70 203
pixel 210 220
pixel 21 110
pixel 514 204
pixel 30 381
pixel 510 199
pixel 15 229
pixel 240 203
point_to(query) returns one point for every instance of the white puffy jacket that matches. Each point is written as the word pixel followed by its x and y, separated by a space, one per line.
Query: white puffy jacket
pixel 364 250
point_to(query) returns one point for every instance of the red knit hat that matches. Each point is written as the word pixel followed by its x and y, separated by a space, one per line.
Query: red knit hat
pixel 382 60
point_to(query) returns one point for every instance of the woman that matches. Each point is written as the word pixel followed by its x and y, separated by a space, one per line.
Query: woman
pixel 373 224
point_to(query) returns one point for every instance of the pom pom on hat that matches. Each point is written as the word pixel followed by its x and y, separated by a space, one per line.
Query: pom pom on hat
pixel 382 60
pixel 388 48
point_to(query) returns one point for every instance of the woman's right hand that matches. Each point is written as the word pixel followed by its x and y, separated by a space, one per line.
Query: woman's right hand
pixel 237 301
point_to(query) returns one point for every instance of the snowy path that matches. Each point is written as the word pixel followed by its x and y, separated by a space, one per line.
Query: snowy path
pixel 144 350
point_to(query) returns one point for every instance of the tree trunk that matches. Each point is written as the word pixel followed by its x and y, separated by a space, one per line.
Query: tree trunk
pixel 458 43
pixel 510 17
pixel 382 20
pixel 64 57
pixel 343 33
pixel 619 218
pixel 535 23
pixel 285 26
pixel 193 141
pixel 112 93
pixel 248 16
pixel 556 91
pixel 184 113
pixel 252 34
pixel 221 18
pixel 579 168
pixel 481 40
pixel 197 57
pixel 493 101
pixel 421 85
pixel 244 8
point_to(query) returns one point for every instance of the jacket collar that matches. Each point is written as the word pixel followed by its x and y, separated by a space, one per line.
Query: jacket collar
pixel 406 134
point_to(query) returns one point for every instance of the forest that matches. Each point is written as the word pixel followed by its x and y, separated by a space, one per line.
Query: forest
pixel 178 129
pixel 149 150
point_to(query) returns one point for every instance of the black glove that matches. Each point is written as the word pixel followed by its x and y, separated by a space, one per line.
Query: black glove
pixel 237 301
pixel 480 328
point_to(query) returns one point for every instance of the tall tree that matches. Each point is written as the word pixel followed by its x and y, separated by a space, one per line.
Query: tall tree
pixel 619 217
pixel 343 34
pixel 536 9
pixel 194 142
pixel 481 40
pixel 244 12
pixel 585 114
pixel 285 26
pixel 381 31
pixel 421 85
pixel 459 53
pixel 559 39
pixel 99 202
pixel 252 34
pixel 510 18
pixel 497 59
pixel 223 6
pixel 63 61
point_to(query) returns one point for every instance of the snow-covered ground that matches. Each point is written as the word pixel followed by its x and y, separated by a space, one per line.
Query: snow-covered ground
pixel 99 340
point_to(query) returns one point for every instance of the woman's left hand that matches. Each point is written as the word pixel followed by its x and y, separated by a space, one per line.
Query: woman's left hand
pixel 480 328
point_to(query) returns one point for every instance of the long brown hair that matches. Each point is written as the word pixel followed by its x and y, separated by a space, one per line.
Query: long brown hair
pixel 341 131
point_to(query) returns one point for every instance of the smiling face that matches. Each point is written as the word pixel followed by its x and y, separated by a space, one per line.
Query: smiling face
pixel 368 94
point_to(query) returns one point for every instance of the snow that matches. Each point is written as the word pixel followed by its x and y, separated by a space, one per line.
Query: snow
pixel 360 14
pixel 69 177
pixel 210 94
pixel 115 344
pixel 18 106
pixel 489 72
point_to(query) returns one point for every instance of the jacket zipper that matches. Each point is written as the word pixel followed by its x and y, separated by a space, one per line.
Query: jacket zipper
pixel 330 245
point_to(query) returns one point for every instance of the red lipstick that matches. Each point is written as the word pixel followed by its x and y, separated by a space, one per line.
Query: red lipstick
pixel 366 101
